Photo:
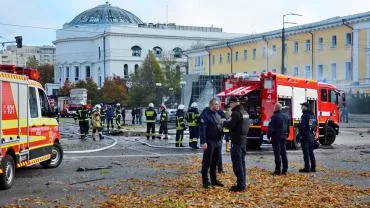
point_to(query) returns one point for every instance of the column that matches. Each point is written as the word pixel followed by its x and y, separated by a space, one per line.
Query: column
pixel 356 51
pixel 368 57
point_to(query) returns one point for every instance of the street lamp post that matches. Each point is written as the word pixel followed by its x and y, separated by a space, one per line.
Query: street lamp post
pixel 283 40
pixel 158 85
pixel 182 83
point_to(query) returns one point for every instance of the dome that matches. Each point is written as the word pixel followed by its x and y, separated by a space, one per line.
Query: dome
pixel 105 14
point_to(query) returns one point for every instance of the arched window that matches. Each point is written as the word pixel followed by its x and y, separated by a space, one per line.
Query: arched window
pixel 136 51
pixel 177 52
pixel 136 68
pixel 125 71
pixel 157 51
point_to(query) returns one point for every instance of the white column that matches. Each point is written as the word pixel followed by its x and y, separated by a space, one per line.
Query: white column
pixel 356 47
pixel 368 57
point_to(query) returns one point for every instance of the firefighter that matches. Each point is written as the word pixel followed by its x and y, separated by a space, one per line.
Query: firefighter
pixel 118 115
pixel 307 130
pixel 192 118
pixel 180 125
pixel 226 131
pixel 96 123
pixel 110 116
pixel 83 120
pixel 123 113
pixel 103 111
pixel 163 123
pixel 150 116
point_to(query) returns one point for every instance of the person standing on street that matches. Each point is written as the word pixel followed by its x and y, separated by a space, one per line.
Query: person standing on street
pixel 133 115
pixel 278 132
pixel 238 126
pixel 96 123
pixel 123 114
pixel 103 111
pixel 307 131
pixel 180 125
pixel 163 123
pixel 118 114
pixel 211 142
pixel 150 115
pixel 110 117
pixel 192 118
pixel 83 120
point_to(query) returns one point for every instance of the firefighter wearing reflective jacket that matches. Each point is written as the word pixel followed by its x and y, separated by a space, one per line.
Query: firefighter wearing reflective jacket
pixel 307 130
pixel 103 111
pixel 118 115
pixel 192 118
pixel 180 125
pixel 150 116
pixel 83 120
pixel 96 123
pixel 226 131
pixel 163 123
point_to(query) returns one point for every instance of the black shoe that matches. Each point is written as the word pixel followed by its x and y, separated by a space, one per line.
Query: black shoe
pixel 313 170
pixel 217 183
pixel 166 138
pixel 277 173
pixel 181 145
pixel 284 173
pixel 206 184
pixel 304 170
pixel 237 189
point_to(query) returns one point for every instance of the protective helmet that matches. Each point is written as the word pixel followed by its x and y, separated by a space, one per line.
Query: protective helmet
pixel 181 107
pixel 194 105
pixel 82 103
pixel 151 105
pixel 163 106
pixel 97 107
pixel 118 104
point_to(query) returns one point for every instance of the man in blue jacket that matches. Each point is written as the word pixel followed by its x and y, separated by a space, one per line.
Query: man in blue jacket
pixel 211 141
pixel 278 133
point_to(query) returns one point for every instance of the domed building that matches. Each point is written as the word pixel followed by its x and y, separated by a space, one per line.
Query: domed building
pixel 106 40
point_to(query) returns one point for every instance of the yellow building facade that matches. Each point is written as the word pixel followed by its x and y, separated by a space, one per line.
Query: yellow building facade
pixel 336 51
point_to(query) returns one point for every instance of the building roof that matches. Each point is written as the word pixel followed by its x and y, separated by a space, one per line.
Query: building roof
pixel 105 14
pixel 324 24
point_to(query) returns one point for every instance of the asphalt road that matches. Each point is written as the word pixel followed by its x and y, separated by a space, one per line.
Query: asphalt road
pixel 350 152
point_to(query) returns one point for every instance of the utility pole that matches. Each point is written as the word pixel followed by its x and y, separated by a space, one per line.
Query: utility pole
pixel 283 40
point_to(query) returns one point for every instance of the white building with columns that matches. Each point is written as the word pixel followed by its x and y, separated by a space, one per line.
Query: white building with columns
pixel 105 41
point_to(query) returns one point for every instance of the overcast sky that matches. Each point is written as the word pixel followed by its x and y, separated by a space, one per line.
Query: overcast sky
pixel 235 16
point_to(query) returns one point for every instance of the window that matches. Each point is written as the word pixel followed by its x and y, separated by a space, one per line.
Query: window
pixel 320 43
pixel 213 59
pixel 320 72
pixel 99 52
pixel 228 57
pixel 77 73
pixel 201 60
pixel 264 52
pixel 333 71
pixel 285 71
pixel 348 39
pixel 32 99
pixel 307 45
pixel 254 53
pixel 236 56
pixel 307 72
pixel 67 72
pixel 274 70
pixel 245 55
pixel 348 71
pixel 324 95
pixel 220 60
pixel 136 51
pixel 125 71
pixel 44 104
pixel 333 97
pixel 274 50
pixel 88 71
pixel 157 51
pixel 334 41
pixel 177 52
pixel 295 71
pixel 295 50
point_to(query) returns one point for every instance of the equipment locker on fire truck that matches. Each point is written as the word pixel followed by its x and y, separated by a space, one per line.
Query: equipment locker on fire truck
pixel 28 130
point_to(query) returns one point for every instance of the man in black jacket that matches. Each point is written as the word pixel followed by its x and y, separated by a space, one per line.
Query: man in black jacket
pixel 238 126
pixel 307 130
pixel 278 133
pixel 211 141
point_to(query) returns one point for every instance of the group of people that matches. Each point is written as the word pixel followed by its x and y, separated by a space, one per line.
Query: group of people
pixel 136 114
pixel 212 122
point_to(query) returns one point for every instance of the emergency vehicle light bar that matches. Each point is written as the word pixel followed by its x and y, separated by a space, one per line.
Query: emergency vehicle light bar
pixel 31 73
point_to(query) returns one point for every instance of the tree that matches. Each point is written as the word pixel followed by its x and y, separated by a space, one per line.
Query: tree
pixel 46 74
pixel 145 81
pixel 32 62
pixel 173 76
pixel 114 90
pixel 65 90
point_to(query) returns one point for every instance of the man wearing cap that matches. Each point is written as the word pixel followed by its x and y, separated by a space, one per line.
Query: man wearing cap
pixel 278 132
pixel 238 126
pixel 307 130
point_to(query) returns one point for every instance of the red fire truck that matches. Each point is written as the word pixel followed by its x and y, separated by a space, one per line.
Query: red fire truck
pixel 29 132
pixel 259 94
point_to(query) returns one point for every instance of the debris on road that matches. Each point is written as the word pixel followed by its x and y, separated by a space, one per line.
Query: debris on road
pixel 82 169
pixel 87 181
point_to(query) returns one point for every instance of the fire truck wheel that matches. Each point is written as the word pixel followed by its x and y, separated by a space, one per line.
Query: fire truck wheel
pixel 56 157
pixel 329 138
pixel 7 178
pixel 316 144
pixel 296 143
